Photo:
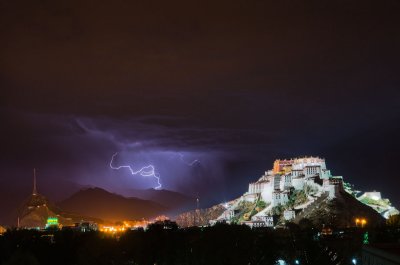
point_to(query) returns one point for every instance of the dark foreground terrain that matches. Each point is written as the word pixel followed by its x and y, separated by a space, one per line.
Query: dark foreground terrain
pixel 221 244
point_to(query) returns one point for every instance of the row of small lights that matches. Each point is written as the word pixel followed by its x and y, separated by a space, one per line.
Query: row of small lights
pixel 111 229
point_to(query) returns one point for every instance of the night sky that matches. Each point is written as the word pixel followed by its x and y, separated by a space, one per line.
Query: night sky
pixel 228 85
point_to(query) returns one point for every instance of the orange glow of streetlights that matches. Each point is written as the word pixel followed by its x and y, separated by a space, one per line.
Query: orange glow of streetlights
pixel 361 221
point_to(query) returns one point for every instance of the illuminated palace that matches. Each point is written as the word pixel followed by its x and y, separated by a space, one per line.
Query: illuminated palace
pixel 275 184
pixel 308 174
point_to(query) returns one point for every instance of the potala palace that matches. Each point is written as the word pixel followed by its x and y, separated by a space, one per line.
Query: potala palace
pixel 291 190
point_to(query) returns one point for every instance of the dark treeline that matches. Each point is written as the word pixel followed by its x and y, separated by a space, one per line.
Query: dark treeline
pixel 220 244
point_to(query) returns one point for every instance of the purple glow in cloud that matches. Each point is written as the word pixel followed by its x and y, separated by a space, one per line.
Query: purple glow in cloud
pixel 195 161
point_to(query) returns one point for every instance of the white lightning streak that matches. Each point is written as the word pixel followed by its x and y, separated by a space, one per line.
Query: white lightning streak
pixel 187 163
pixel 147 171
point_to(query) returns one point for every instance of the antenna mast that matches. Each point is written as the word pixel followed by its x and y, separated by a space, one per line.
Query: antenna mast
pixel 34 182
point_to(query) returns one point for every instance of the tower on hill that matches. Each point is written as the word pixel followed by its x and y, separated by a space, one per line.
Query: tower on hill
pixel 36 199
pixel 36 210
pixel 34 192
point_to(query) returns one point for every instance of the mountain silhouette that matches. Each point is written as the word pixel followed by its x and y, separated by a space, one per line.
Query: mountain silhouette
pixel 99 203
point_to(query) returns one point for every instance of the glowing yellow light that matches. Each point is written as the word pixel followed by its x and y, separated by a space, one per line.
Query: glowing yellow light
pixel 363 222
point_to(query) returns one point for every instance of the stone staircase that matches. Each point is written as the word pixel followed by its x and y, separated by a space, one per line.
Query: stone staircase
pixel 311 207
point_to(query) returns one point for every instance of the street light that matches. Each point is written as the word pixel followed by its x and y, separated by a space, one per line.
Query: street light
pixel 354 261
pixel 363 222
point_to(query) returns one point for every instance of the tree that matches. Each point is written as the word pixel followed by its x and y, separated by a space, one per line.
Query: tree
pixel 22 258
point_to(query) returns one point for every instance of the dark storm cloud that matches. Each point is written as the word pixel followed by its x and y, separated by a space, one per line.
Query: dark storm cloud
pixel 159 133
pixel 242 81
pixel 78 150
pixel 137 54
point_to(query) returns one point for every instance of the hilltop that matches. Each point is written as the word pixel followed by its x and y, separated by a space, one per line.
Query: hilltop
pixel 174 201
pixel 293 190
pixel 37 208
pixel 109 206
pixel 88 204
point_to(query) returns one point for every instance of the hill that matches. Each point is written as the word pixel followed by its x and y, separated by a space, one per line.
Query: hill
pixel 35 210
pixel 174 201
pixel 340 212
pixel 294 189
pixel 199 217
pixel 108 206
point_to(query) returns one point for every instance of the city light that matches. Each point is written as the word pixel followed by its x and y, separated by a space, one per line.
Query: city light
pixel 112 229
pixel 125 226
pixel 52 222
pixel 360 221
pixel 363 222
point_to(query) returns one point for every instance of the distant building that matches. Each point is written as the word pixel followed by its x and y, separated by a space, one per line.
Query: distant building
pixel 374 195
pixel 228 214
pixel 279 165
pixel 288 175
pixel 86 226
pixel 52 223
pixel 260 221
pixel 165 225
pixel 333 186
pixel 269 220
pixel 289 215
pixel 280 198
pixel 36 210
pixel 300 183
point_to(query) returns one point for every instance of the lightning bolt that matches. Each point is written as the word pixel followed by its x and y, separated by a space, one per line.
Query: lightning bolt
pixel 147 171
pixel 187 163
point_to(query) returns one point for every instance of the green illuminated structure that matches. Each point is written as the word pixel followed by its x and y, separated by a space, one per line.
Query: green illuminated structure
pixel 52 222
pixel 366 239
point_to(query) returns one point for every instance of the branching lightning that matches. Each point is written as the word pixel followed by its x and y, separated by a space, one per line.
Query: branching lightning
pixel 147 171
pixel 188 163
